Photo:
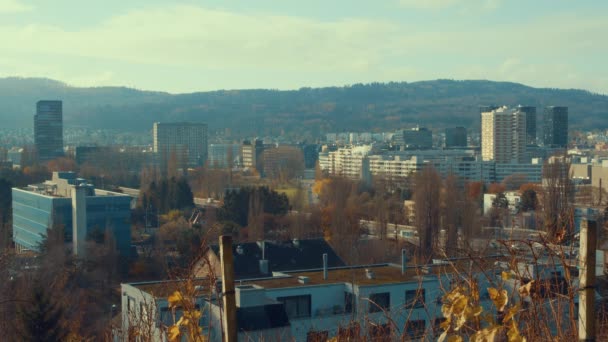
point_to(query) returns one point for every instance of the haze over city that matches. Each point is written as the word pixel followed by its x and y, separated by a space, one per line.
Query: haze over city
pixel 303 171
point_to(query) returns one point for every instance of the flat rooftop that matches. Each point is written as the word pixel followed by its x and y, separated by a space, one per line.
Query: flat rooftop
pixel 356 275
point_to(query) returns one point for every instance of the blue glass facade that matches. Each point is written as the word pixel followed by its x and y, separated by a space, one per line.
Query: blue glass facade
pixel 33 213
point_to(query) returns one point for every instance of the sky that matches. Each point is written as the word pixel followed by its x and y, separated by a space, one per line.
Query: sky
pixel 186 46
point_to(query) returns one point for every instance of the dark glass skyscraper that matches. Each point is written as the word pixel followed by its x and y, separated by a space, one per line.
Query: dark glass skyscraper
pixel 530 123
pixel 555 128
pixel 48 130
pixel 455 137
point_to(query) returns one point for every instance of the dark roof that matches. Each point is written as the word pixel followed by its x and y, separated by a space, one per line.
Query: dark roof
pixel 282 256
pixel 264 317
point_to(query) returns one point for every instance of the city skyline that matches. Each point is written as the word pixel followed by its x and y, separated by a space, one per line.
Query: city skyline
pixel 175 47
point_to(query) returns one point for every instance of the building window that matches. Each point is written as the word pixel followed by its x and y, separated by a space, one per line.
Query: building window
pixel 317 336
pixel 415 329
pixel 166 317
pixel 296 306
pixel 379 302
pixel 415 298
pixel 349 302
pixel 131 305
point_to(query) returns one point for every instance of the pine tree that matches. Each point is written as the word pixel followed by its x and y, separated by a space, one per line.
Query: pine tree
pixel 40 319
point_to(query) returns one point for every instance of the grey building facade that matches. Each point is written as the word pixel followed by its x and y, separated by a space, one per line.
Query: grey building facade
pixel 187 141
pixel 48 130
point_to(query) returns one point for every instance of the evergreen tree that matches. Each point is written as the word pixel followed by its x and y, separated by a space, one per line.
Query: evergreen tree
pixel 40 319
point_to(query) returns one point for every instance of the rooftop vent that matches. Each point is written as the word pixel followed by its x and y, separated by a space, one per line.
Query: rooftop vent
pixel 369 274
pixel 239 250
pixel 303 280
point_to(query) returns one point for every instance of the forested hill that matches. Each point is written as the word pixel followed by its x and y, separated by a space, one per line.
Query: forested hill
pixel 307 111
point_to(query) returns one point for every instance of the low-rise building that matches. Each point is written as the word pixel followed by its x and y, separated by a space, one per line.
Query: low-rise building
pixel 56 203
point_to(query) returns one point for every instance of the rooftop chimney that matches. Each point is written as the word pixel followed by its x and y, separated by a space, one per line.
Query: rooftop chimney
pixel 324 266
pixel 369 274
pixel 79 220
pixel 264 266
pixel 403 261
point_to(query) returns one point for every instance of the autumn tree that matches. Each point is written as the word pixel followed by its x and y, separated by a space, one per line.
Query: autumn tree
pixel 514 181
pixel 255 217
pixel 451 212
pixel 427 206
pixel 5 213
pixel 495 188
pixel 236 204
pixel 557 199
pixel 168 194
pixel 62 164
pixel 529 201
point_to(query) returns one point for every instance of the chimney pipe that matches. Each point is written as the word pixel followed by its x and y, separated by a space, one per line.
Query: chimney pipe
pixel 403 261
pixel 324 266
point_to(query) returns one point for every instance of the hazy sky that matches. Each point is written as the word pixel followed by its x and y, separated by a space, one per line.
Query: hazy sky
pixel 185 46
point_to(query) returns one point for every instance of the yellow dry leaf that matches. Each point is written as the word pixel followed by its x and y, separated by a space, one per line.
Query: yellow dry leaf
pixel 443 336
pixel 175 299
pixel 524 290
pixel 513 333
pixel 174 333
pixel 499 297
pixel 455 338
pixel 475 291
pixel 459 305
pixel 445 325
pixel 505 275
pixel 511 313
pixel 486 335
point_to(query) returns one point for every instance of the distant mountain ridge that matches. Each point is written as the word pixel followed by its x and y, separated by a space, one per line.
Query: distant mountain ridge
pixel 303 112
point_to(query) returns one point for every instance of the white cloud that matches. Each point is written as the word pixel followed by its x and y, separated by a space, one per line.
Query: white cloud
pixel 195 48
pixel 13 6
pixel 428 4
pixel 444 4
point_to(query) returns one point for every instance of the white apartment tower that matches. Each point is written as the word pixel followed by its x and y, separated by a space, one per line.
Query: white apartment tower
pixel 503 135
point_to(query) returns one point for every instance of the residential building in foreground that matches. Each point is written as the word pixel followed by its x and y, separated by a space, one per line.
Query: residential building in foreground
pixel 377 301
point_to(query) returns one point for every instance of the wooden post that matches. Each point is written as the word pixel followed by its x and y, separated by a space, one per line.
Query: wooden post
pixel 229 314
pixel 586 299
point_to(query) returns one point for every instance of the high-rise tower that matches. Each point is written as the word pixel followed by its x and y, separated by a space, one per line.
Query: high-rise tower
pixel 184 143
pixel 530 123
pixel 48 130
pixel 503 135
pixel 555 128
